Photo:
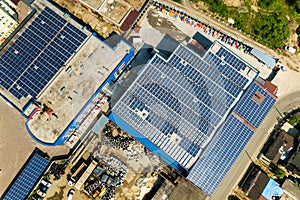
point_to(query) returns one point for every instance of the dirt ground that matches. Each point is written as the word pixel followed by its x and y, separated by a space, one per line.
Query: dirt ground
pixel 94 20
pixel 16 145
pixel 233 3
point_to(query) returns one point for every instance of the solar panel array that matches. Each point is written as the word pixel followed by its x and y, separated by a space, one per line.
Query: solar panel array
pixel 36 56
pixel 250 110
pixel 229 72
pixel 216 160
pixel 27 178
pixel 177 104
pixel 232 59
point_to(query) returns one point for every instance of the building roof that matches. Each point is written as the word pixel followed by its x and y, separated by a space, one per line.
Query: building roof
pixel 132 16
pixel 99 125
pixel 228 142
pixel 58 40
pixel 15 1
pixel 178 103
pixel 271 87
pixel 272 189
pixel 264 58
pixel 204 41
pixel 195 108
pixel 27 178
pixel 258 185
pixel 284 140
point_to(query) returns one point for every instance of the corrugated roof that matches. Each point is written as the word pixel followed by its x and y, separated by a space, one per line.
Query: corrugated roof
pixel 26 178
pixel 129 20
pixel 100 124
pixel 265 58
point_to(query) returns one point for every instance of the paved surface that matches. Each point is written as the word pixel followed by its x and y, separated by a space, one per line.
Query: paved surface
pixel 16 145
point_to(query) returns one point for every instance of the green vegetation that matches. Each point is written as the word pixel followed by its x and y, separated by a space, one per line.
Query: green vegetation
pixel 279 173
pixel 31 195
pixel 270 29
pixel 178 1
pixel 294 120
pixel 46 177
pixel 266 22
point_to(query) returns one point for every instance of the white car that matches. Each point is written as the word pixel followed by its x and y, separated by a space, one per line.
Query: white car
pixel 71 194
pixel 282 68
pixel 45 183
pixel 290 49
pixel 39 192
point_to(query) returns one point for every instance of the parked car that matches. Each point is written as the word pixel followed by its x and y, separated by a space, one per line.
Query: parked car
pixel 289 49
pixel 41 193
pixel 43 188
pixel 71 194
pixel 71 182
pixel 282 68
pixel 45 183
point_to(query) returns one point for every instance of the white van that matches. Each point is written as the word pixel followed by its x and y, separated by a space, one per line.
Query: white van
pixel 290 49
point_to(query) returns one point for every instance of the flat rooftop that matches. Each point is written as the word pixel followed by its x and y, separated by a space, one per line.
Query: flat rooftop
pixel 115 10
pixel 95 4
pixel 75 85
pixel 179 103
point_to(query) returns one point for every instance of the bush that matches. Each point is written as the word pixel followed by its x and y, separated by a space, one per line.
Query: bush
pixel 271 29
pixel 279 173
pixel 265 3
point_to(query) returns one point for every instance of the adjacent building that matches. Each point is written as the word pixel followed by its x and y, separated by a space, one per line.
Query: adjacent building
pixel 27 178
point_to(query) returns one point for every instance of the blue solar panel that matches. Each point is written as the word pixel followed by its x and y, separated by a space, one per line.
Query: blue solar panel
pixel 255 111
pixel 27 178
pixel 32 53
pixel 216 160
pixel 179 102
pixel 231 73
pixel 231 59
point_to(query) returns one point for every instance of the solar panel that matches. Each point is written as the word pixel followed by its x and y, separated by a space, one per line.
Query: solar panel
pixel 255 111
pixel 179 103
pixel 27 179
pixel 233 60
pixel 217 159
pixel 42 49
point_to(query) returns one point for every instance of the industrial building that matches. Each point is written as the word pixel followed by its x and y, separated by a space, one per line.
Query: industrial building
pixel 8 19
pixel 196 112
pixel 39 53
